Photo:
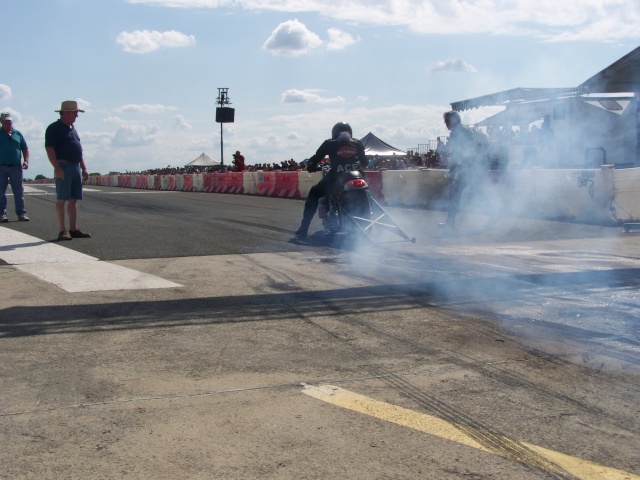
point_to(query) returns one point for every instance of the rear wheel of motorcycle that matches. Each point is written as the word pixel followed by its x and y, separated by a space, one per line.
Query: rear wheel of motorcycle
pixel 357 205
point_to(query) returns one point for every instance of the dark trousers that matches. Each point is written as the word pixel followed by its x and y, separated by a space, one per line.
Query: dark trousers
pixel 458 181
pixel 316 192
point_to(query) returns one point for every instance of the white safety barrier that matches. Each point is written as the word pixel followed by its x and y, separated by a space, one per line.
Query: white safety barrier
pixel 414 187
pixel 306 180
pixel 576 194
pixel 179 182
pixel 626 194
pixel 198 182
pixel 250 183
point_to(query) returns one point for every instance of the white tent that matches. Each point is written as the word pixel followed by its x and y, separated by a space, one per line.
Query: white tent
pixel 203 160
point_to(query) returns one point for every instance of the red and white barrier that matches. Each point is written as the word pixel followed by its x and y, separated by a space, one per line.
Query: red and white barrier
pixel 286 185
pixel 208 182
pixel 235 182
pixel 266 183
pixel 221 181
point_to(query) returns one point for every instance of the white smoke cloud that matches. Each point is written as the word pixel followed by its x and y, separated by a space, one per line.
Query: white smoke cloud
pixel 145 41
pixel 452 65
pixel 569 20
pixel 292 38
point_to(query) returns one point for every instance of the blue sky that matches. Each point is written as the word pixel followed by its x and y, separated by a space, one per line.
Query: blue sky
pixel 147 71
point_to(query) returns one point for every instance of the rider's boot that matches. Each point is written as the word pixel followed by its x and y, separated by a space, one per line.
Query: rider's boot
pixel 302 232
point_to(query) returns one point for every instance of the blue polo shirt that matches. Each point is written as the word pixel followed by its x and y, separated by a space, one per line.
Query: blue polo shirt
pixel 65 141
pixel 11 146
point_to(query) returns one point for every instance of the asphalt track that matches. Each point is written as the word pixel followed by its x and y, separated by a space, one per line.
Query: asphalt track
pixel 193 337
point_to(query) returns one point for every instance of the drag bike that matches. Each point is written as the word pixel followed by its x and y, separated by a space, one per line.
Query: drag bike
pixel 350 208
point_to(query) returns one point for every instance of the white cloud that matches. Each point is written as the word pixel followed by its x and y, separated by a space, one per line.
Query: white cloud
pixel 181 123
pixel 339 40
pixel 145 41
pixel 292 38
pixel 5 92
pixel 552 20
pixel 144 108
pixel 83 104
pixel 452 65
pixel 134 135
pixel 307 96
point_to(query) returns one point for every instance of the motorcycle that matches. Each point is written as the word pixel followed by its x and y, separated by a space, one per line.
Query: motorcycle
pixel 350 208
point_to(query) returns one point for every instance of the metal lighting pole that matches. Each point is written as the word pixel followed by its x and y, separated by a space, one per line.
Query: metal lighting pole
pixel 224 114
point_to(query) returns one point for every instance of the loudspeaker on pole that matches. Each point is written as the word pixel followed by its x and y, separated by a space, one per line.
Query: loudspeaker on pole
pixel 225 114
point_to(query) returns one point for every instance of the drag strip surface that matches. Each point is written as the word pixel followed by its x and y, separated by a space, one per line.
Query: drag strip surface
pixel 509 353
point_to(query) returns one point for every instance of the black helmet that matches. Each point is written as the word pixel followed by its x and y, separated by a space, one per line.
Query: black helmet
pixel 340 127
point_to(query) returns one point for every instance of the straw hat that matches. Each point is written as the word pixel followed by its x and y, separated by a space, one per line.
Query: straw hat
pixel 69 106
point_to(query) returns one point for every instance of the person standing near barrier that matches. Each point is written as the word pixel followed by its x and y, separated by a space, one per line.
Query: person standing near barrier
pixel 461 149
pixel 64 151
pixel 345 153
pixel 12 147
pixel 238 162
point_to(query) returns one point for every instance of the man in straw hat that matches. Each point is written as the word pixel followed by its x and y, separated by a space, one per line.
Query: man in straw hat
pixel 62 144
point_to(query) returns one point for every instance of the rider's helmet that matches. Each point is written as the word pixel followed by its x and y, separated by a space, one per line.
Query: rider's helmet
pixel 340 127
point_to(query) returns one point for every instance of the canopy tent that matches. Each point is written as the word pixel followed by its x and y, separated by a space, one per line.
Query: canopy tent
pixel 374 146
pixel 621 76
pixel 512 96
pixel 203 160
pixel 517 114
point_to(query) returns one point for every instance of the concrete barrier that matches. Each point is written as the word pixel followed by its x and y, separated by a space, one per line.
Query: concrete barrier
pixel 599 195
pixel 198 182
pixel 235 182
pixel 266 183
pixel 413 187
pixel 179 182
pixel 576 194
pixel 307 180
pixel 626 194
pixel 187 183
pixel 221 181
pixel 209 182
pixel 286 185
pixel 142 181
pixel 250 183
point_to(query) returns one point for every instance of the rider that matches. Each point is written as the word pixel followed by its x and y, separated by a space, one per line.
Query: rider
pixel 345 153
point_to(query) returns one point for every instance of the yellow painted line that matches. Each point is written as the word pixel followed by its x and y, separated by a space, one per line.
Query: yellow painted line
pixel 577 467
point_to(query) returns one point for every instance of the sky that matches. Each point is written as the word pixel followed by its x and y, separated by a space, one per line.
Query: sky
pixel 147 72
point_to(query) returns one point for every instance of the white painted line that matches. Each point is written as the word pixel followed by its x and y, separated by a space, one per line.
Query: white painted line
pixel 17 248
pixel 70 270
pixel 32 190
pixel 95 276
